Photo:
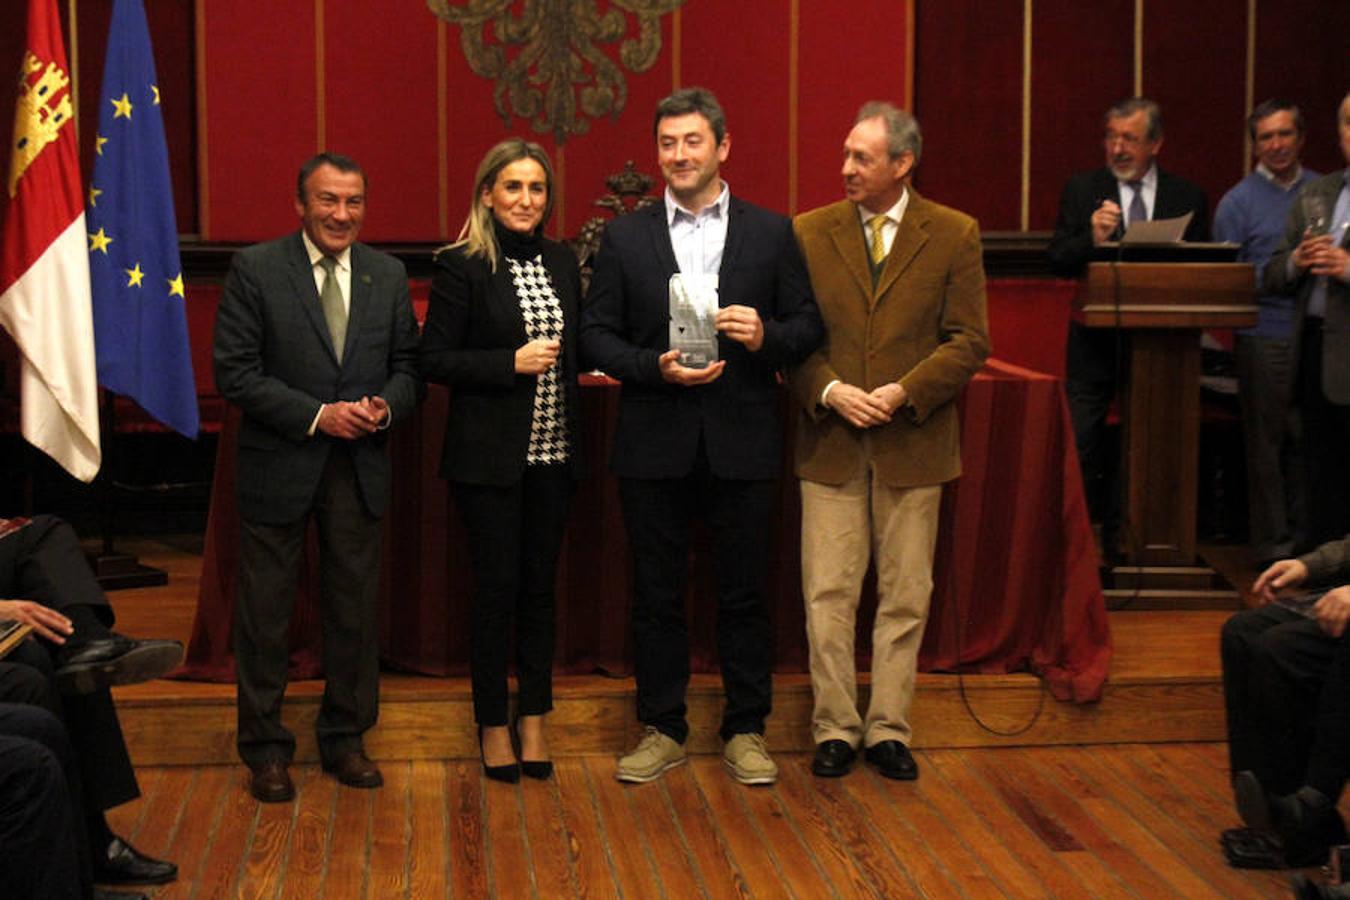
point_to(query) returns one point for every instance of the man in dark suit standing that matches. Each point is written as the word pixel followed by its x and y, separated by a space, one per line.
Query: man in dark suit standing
pixel 699 442
pixel 1097 207
pixel 316 343
pixel 1313 262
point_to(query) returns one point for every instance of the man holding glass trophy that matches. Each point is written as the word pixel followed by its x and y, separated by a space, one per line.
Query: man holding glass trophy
pixel 1313 263
pixel 695 305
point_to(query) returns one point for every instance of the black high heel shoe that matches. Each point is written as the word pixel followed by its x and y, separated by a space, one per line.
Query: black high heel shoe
pixel 509 773
pixel 538 769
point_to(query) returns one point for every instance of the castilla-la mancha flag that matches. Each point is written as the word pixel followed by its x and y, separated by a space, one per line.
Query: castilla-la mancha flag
pixel 44 263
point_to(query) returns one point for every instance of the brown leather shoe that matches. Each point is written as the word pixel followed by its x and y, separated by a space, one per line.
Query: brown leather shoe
pixel 354 770
pixel 271 783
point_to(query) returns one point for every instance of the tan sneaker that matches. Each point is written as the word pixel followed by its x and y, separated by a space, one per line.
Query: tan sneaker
pixel 747 758
pixel 653 755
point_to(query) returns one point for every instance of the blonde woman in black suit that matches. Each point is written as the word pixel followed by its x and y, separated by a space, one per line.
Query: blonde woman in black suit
pixel 501 332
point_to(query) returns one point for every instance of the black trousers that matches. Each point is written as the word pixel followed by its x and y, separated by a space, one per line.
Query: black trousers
pixel 659 515
pixel 514 534
pixel 43 562
pixel 1090 385
pixel 44 854
pixel 349 563
pixel 1326 435
pixel 1287 698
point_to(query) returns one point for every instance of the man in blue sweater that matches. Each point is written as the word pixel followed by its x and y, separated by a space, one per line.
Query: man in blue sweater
pixel 1252 215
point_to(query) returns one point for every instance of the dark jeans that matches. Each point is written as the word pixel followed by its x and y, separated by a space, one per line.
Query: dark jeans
pixel 514 534
pixel 1287 698
pixel 1266 369
pixel 1326 435
pixel 659 515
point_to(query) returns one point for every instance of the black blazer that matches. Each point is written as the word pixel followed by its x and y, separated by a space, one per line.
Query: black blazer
pixel 274 359
pixel 625 328
pixel 1070 247
pixel 469 342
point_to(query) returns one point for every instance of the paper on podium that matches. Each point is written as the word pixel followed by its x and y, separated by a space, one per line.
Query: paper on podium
pixel 1157 231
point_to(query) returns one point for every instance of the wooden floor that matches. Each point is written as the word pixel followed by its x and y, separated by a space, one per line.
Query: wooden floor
pixel 1127 820
pixel 1124 798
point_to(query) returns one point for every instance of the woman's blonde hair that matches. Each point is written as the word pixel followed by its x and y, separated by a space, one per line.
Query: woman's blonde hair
pixel 477 236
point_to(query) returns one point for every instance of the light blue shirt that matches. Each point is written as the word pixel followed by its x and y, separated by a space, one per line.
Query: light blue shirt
pixel 698 238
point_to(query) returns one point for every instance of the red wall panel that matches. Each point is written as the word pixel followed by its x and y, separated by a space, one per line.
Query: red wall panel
pixel 380 109
pixel 751 80
pixel 1194 66
pixel 847 56
pixel 261 114
pixel 968 97
pixel 1082 62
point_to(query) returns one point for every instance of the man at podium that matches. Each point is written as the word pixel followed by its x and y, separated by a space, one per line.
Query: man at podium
pixel 1096 207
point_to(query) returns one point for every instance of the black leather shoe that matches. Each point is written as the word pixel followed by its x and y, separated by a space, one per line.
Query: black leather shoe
pixel 116 659
pixel 355 769
pixel 271 783
pixel 101 894
pixel 121 863
pixel 833 759
pixel 1306 822
pixel 893 760
pixel 538 769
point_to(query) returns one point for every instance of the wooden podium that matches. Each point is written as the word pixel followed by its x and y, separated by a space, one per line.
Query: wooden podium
pixel 1162 307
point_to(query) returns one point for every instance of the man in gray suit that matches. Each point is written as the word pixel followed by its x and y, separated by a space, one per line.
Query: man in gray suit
pixel 316 343
pixel 1313 262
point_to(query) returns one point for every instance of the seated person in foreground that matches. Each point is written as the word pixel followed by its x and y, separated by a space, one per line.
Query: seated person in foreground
pixel 1286 676
pixel 52 588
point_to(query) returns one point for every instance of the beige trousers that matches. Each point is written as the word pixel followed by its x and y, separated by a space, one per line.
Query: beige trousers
pixel 841 526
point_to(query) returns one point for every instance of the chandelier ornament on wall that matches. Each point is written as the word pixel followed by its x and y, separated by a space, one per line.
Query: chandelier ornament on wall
pixel 548 57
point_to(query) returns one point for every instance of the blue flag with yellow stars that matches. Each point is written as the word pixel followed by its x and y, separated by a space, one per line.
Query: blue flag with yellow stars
pixel 140 313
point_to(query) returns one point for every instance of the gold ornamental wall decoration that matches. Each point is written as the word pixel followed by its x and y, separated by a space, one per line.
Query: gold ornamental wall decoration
pixel 548 59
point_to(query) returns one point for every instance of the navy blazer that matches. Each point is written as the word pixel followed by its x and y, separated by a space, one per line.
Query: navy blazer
pixel 469 342
pixel 1071 246
pixel 274 359
pixel 625 327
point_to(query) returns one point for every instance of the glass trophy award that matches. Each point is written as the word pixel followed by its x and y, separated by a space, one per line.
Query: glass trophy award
pixel 693 318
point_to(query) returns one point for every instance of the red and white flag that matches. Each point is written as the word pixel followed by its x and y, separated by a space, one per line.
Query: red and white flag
pixel 44 259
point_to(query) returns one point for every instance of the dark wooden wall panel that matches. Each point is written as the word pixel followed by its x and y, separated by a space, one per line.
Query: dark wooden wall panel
pixel 380 109
pixel 750 77
pixel 1082 62
pixel 968 97
pixel 1302 53
pixel 261 122
pixel 844 61
pixel 1194 65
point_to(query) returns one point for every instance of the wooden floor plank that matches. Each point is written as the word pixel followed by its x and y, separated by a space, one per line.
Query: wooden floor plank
pixel 797 787
pixel 429 837
pixel 307 857
pixel 773 821
pixel 547 835
pixel 1057 869
pixel 203 805
pixel 996 857
pixel 390 833
pixel 628 853
pixel 464 804
pixel 937 857
pixel 163 810
pixel 264 866
pixel 718 876
pixel 508 853
pixel 581 822
pixel 674 863
pixel 1056 804
pixel 752 855
pixel 125 820
pixel 349 854
pixel 220 870
pixel 1125 830
pixel 1200 852
pixel 849 824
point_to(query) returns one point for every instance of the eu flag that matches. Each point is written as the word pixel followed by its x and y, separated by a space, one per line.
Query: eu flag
pixel 140 316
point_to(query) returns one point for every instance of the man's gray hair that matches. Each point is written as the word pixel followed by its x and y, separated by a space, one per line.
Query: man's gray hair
pixel 692 100
pixel 902 129
pixel 1126 108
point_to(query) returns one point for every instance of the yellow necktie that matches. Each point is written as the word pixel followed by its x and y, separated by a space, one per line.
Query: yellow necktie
pixel 334 310
pixel 877 249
